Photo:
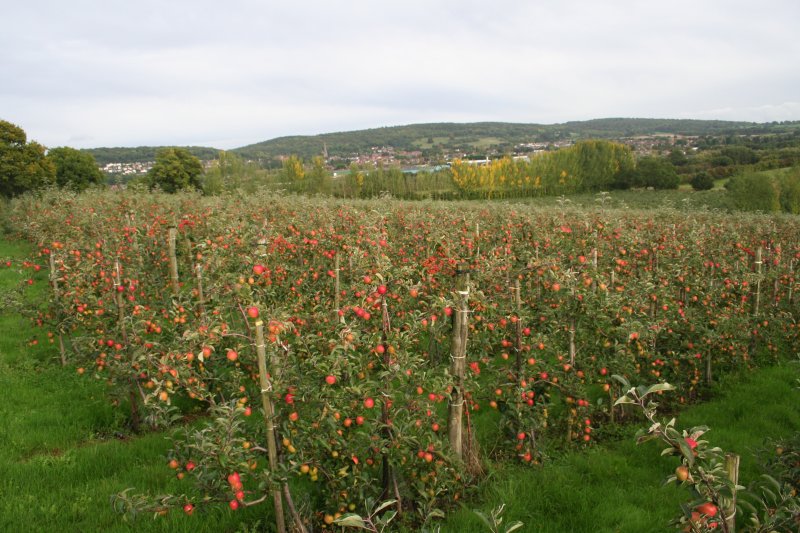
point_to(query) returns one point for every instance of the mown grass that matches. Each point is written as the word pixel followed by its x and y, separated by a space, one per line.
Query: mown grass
pixel 64 449
pixel 65 452
pixel 617 486
pixel 680 199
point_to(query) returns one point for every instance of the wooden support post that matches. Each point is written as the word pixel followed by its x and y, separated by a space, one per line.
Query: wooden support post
pixel 134 384
pixel 611 400
pixel 389 475
pixel 337 305
pixel 518 329
pixel 172 235
pixel 59 314
pixel 572 349
pixel 201 298
pixel 269 420
pixel 732 469
pixel 757 300
pixel 458 357
pixel 477 241
pixel 775 292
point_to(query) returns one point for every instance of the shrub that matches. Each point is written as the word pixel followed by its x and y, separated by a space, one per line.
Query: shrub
pixel 754 192
pixel 702 181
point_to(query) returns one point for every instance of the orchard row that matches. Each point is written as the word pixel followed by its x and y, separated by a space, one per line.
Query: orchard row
pixel 368 336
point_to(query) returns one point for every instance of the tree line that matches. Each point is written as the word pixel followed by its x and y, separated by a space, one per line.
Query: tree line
pixel 27 165
pixel 587 166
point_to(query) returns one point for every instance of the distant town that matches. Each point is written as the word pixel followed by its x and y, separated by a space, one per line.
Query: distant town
pixel 389 156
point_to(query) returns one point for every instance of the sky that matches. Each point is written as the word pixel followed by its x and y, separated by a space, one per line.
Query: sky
pixel 97 73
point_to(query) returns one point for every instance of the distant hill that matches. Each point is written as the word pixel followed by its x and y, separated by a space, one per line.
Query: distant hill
pixel 140 154
pixel 474 137
pixel 498 135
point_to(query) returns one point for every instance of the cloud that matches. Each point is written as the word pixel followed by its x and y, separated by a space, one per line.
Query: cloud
pixel 120 73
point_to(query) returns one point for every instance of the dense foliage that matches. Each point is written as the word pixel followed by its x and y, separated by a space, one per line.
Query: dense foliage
pixel 360 303
pixel 586 166
pixel 175 169
pixel 75 169
pixel 124 154
pixel 767 192
pixel 23 164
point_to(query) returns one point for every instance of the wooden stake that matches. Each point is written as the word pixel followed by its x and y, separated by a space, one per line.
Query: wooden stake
pixel 732 469
pixel 389 478
pixel 757 301
pixel 173 260
pixel 337 291
pixel 458 357
pixel 134 385
pixel 572 349
pixel 56 296
pixel 518 340
pixel 200 295
pixel 269 420
pixel 477 236
pixel 775 292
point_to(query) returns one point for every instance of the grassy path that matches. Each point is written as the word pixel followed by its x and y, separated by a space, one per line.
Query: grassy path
pixel 61 457
pixel 617 487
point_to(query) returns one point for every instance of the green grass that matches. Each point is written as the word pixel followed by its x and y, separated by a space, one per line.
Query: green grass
pixel 617 487
pixel 64 453
pixel 682 200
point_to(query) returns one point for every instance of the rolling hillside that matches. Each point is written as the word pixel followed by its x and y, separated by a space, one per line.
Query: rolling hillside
pixel 437 137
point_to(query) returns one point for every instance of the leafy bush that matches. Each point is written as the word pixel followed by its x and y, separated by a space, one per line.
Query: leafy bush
pixel 702 181
pixel 657 173
pixel 790 192
pixel 754 192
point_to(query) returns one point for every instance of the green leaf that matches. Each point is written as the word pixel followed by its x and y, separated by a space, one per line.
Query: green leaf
pixel 483 518
pixel 388 517
pixel 513 526
pixel 686 451
pixel 645 438
pixel 384 505
pixel 350 520
pixel 658 387
pixel 623 400
pixel 436 513
pixel 621 380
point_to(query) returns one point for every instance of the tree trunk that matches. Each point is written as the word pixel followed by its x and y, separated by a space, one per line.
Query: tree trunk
pixel 269 420
pixel 458 356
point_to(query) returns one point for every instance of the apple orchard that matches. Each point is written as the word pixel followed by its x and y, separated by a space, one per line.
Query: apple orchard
pixel 381 351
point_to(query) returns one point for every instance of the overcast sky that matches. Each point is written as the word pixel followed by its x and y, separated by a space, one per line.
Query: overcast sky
pixel 88 73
